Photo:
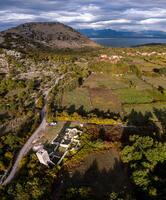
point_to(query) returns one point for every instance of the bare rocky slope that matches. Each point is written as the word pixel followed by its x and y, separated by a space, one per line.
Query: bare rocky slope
pixel 53 35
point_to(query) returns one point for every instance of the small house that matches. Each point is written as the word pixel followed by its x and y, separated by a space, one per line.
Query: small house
pixel 43 157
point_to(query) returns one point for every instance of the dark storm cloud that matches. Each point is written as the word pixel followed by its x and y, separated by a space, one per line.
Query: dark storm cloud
pixel 115 14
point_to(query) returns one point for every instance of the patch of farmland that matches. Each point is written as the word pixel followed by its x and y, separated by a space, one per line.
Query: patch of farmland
pixel 156 60
pixel 142 64
pixel 105 100
pixel 148 64
pixel 137 82
pixel 133 96
pixel 156 81
pixel 106 81
pixel 143 108
pixel 146 69
pixel 78 97
pixel 157 96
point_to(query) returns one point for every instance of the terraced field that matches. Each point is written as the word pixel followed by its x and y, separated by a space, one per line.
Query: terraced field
pixel 132 83
pixel 109 81
pixel 77 98
pixel 134 96
pixel 156 81
pixel 105 100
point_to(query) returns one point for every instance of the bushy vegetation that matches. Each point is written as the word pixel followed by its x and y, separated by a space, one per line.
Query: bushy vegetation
pixel 144 154
pixel 30 74
pixel 18 116
pixel 35 182
pixel 161 71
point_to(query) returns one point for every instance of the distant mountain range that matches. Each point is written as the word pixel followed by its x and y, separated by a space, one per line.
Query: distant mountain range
pixel 109 33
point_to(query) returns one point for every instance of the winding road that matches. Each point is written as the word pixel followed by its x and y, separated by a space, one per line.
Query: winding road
pixel 35 136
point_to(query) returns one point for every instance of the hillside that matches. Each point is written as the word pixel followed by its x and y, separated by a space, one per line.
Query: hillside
pixel 43 34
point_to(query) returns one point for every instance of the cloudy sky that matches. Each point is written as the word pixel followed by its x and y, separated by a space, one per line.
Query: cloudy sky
pixel 115 14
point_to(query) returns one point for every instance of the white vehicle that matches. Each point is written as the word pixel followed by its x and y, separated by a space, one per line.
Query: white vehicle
pixel 53 124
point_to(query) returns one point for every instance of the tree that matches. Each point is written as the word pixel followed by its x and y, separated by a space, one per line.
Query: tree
pixel 143 155
pixel 82 193
pixel 8 155
pixel 10 140
pixel 40 103
pixel 31 84
pixel 161 89
pixel 2 166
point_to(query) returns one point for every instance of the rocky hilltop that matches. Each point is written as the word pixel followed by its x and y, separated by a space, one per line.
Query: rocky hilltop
pixel 53 35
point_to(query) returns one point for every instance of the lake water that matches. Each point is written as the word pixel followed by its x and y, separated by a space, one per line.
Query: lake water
pixel 127 42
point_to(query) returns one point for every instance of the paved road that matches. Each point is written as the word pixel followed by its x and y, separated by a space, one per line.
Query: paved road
pixel 36 135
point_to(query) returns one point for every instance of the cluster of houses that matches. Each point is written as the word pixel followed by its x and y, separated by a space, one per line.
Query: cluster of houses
pixel 138 53
pixel 13 53
pixel 63 144
pixel 116 58
pixel 71 136
pixel 113 59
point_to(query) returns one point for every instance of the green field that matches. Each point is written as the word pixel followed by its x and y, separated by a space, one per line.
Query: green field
pixel 109 81
pixel 109 93
pixel 90 99
pixel 120 87
pixel 144 107
pixel 77 98
pixel 105 100
pixel 133 96
pixel 138 83
pixel 156 81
